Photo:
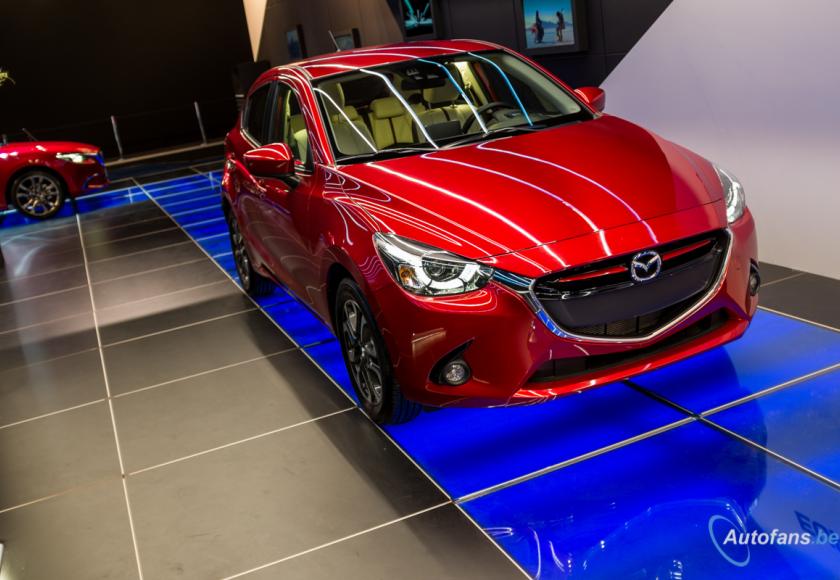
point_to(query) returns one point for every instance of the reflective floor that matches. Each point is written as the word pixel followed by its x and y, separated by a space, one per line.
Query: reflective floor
pixel 157 423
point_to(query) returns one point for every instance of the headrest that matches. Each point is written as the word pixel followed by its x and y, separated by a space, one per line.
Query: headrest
pixel 351 112
pixel 335 92
pixel 443 94
pixel 387 107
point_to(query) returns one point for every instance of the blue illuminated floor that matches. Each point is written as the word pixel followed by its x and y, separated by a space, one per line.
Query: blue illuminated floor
pixel 642 479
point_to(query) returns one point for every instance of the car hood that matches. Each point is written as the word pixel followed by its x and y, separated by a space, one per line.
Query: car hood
pixel 27 147
pixel 524 191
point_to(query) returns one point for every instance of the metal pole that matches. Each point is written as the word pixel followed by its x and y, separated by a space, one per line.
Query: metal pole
pixel 28 134
pixel 200 123
pixel 116 135
pixel 5 139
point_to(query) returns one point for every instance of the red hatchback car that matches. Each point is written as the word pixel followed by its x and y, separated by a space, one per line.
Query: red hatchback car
pixel 478 233
pixel 36 177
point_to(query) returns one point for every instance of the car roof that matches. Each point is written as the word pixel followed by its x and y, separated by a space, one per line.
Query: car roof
pixel 348 60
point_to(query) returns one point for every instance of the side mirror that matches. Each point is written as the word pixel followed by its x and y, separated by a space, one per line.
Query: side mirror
pixel 275 160
pixel 593 96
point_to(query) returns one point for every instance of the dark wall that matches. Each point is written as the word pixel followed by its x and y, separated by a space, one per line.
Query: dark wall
pixel 76 63
pixel 614 26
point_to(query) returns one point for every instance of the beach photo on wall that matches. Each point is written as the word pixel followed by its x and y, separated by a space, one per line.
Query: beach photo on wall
pixel 548 23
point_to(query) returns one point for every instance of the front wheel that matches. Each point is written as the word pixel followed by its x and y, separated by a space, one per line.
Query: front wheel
pixel 254 283
pixel 367 359
pixel 38 194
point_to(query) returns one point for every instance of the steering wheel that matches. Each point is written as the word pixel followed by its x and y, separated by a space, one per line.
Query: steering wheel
pixel 488 108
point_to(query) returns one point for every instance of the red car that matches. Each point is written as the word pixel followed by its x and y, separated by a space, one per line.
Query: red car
pixel 36 177
pixel 478 233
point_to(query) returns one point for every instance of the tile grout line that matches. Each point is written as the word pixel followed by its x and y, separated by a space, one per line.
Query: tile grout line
pixel 47 273
pixel 130 254
pixel 703 419
pixel 110 405
pixel 163 295
pixel 239 442
pixel 783 279
pixel 800 319
pixel 781 458
pixel 573 460
pixel 770 390
pixel 61 493
pixel 44 323
pixel 180 327
pixel 51 414
pixel 338 540
pixel 149 271
pixel 132 237
pixel 44 295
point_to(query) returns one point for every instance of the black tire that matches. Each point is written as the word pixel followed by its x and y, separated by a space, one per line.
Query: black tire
pixel 254 283
pixel 367 359
pixel 37 194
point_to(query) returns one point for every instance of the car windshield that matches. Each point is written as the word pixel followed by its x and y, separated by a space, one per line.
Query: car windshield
pixel 418 105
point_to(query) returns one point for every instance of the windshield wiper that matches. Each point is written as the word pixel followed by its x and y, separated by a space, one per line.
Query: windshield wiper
pixel 494 133
pixel 384 154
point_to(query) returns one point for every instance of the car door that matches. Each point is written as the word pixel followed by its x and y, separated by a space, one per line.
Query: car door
pixel 284 202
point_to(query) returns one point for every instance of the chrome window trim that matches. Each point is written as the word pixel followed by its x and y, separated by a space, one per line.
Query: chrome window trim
pixel 532 300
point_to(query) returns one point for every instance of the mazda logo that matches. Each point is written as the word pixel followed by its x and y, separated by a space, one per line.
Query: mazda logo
pixel 645 266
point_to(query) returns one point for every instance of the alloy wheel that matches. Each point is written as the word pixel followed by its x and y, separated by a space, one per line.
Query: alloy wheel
pixel 38 195
pixel 362 354
pixel 240 254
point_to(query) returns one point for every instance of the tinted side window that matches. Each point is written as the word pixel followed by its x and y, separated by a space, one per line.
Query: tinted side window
pixel 256 121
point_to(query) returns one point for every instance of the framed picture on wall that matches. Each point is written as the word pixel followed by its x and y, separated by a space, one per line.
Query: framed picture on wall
pixel 547 26
pixel 295 43
pixel 347 39
pixel 418 19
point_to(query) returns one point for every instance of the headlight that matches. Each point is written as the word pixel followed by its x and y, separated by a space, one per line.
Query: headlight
pixel 733 195
pixel 75 157
pixel 428 271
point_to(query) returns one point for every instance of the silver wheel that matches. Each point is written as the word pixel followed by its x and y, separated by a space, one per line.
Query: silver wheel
pixel 362 354
pixel 240 254
pixel 38 194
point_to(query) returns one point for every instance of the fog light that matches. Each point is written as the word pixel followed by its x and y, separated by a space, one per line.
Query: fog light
pixel 456 372
pixel 755 280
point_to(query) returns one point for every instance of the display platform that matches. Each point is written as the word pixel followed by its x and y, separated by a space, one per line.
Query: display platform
pixel 148 406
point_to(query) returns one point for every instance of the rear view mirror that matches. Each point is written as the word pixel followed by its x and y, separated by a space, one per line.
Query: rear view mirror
pixel 593 96
pixel 274 160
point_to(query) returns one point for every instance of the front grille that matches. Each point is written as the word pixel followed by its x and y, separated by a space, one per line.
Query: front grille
pixel 603 300
pixel 561 369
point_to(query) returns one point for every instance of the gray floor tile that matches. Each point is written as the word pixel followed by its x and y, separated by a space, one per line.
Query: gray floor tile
pixel 772 272
pixel 809 296
pixel 148 285
pixel 190 350
pixel 44 309
pixel 204 412
pixel 78 536
pixel 132 245
pixel 238 507
pixel 29 286
pixel 54 229
pixel 56 453
pixel 40 388
pixel 23 258
pixel 441 544
pixel 96 236
pixel 47 341
pixel 169 311
pixel 166 174
pixel 103 220
pixel 118 213
pixel 136 263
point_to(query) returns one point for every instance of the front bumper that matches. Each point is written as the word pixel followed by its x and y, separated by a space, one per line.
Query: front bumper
pixel 507 344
